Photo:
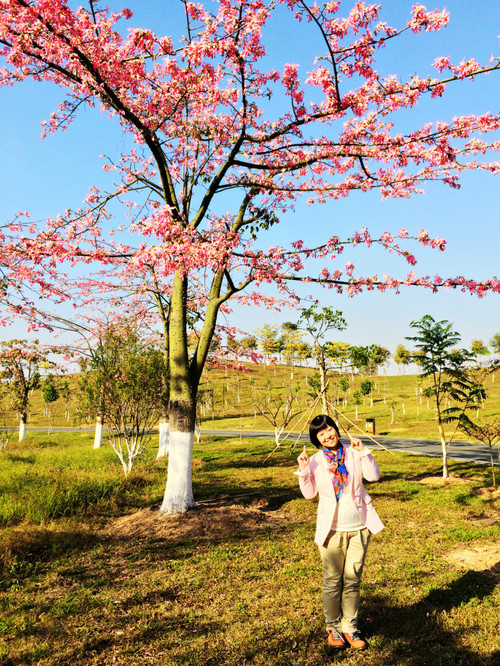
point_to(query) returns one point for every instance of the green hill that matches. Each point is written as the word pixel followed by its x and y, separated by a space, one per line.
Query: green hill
pixel 241 399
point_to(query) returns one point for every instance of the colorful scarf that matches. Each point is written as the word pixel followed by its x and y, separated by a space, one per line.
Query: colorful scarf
pixel 337 468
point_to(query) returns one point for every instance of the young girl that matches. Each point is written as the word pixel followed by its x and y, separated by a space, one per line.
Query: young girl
pixel 345 521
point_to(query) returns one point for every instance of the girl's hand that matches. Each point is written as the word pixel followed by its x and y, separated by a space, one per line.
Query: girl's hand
pixel 303 459
pixel 356 444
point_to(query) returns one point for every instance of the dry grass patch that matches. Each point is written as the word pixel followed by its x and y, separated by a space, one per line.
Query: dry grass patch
pixel 483 557
pixel 489 493
pixel 206 522
pixel 438 481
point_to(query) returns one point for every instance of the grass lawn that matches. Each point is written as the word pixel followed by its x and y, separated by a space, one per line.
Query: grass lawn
pixel 93 574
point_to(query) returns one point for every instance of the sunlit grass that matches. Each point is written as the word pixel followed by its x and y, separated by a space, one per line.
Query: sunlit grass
pixel 239 581
pixel 61 475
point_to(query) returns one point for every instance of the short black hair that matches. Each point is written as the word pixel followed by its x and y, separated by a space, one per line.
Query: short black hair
pixel 318 424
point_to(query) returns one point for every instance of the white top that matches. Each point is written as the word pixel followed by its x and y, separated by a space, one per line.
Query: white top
pixel 346 517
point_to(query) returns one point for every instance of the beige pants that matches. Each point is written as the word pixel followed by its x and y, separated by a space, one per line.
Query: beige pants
pixel 343 557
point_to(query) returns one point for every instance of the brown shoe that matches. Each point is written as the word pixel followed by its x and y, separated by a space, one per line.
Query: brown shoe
pixel 355 640
pixel 335 639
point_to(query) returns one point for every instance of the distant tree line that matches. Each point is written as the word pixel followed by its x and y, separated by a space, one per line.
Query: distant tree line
pixel 124 382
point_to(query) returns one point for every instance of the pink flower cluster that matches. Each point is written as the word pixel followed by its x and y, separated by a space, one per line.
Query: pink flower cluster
pixel 207 117
pixel 427 20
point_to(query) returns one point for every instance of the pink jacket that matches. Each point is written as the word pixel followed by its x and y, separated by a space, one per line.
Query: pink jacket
pixel 316 480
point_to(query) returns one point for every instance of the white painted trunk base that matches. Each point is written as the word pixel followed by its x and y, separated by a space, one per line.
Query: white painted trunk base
pixel 178 496
pixel 98 437
pixel 163 439
pixel 22 431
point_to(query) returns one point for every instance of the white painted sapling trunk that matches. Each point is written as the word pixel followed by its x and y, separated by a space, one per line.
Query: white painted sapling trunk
pixel 22 428
pixel 163 439
pixel 99 428
pixel 178 496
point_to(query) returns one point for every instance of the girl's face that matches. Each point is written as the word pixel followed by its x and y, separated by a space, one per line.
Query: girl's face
pixel 328 437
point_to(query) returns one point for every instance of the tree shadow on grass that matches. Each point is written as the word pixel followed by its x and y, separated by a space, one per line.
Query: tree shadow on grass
pixel 89 648
pixel 268 489
pixel 471 471
pixel 25 551
pixel 415 633
pixel 258 463
pixel 161 634
pixel 392 476
pixel 172 538
pixel 409 636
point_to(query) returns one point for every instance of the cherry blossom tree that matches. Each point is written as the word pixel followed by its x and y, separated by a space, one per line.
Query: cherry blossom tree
pixel 222 144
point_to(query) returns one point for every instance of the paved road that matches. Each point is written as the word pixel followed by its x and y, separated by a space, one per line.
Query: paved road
pixel 456 451
pixel 425 447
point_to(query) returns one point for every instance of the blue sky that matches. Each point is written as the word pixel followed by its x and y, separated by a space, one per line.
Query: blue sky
pixel 47 177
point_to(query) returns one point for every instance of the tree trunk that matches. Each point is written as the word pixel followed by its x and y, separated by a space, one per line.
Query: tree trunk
pixel 22 427
pixel 443 449
pixel 99 428
pixel 492 465
pixel 322 376
pixel 99 423
pixel 184 378
pixel 163 439
pixel 178 496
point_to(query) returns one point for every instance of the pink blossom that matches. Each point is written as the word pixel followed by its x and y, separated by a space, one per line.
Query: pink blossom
pixel 207 115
